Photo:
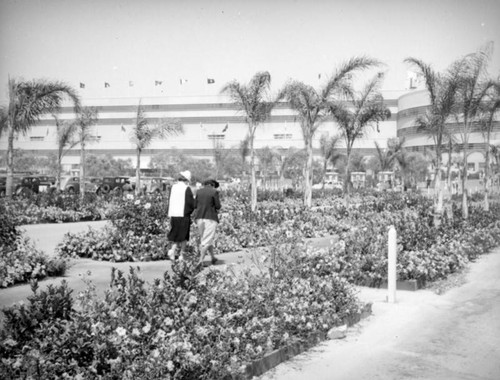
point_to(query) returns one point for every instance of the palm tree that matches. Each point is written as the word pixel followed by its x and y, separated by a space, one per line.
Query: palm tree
pixel 356 115
pixel 312 108
pixel 386 157
pixel 251 99
pixel 65 141
pixel 329 151
pixel 442 90
pixel 87 117
pixel 490 110
pixel 473 90
pixel 268 159
pixel 28 101
pixel 143 134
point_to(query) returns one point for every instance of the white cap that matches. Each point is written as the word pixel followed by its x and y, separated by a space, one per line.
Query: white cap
pixel 186 174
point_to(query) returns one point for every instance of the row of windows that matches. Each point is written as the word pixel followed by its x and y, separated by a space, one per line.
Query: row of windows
pixel 459 147
pixel 185 120
pixel 453 128
pixel 190 107
pixel 277 136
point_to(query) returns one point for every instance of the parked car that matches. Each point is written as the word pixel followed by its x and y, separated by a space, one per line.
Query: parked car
pixel 72 185
pixel 3 185
pixel 47 183
pixel 114 185
pixel 156 184
pixel 328 185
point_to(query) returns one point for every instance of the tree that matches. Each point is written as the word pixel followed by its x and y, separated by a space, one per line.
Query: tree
pixel 473 89
pixel 28 101
pixel 65 141
pixel 86 118
pixel 329 151
pixel 143 133
pixel 312 107
pixel 489 111
pixel 269 159
pixel 360 111
pixel 252 100
pixel 387 157
pixel 105 165
pixel 442 89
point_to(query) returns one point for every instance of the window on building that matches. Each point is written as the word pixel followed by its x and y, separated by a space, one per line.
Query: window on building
pixel 37 138
pixel 216 137
pixel 282 136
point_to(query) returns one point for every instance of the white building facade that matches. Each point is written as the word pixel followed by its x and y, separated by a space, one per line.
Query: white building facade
pixel 205 120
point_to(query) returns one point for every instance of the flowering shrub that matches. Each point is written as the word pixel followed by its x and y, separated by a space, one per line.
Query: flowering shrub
pixel 208 327
pixel 55 207
pixel 22 262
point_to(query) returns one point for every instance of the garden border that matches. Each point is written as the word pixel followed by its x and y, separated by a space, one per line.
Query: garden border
pixel 280 355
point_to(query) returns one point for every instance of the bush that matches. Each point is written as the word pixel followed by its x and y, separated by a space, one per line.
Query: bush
pixel 187 325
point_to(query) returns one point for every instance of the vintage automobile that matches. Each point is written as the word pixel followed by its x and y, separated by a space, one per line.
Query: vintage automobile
pixel 156 185
pixel 72 185
pixel 34 184
pixel 116 185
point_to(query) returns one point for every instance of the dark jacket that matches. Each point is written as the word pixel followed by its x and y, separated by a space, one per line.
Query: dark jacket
pixel 207 203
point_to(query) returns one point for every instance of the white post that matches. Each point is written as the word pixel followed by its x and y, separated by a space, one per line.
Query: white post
pixel 391 267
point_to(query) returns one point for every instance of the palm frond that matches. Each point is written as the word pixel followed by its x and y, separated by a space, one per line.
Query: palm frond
pixel 337 81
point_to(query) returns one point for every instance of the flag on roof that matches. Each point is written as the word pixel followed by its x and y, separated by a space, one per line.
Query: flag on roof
pixel 210 80
pixel 106 84
pixel 158 82
pixel 123 128
pixel 225 128
pixel 82 85
pixel 182 81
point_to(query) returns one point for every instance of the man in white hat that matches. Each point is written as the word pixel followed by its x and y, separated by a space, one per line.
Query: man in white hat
pixel 180 207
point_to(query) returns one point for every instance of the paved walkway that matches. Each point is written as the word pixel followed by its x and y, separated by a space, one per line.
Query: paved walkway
pixel 371 342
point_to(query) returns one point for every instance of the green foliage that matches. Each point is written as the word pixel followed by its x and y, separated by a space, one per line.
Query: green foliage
pixel 209 329
pixel 22 262
pixel 55 207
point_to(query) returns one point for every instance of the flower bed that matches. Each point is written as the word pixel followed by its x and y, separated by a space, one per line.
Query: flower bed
pixel 55 208
pixel 187 325
pixel 20 261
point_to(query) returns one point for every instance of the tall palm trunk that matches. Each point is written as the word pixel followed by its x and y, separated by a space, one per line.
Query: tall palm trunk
pixel 82 170
pixel 308 173
pixel 253 190
pixel 138 172
pixel 465 208
pixel 438 192
pixel 487 177
pixel 347 183
pixel 10 160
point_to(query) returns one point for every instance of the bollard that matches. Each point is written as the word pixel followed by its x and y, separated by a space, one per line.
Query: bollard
pixel 391 265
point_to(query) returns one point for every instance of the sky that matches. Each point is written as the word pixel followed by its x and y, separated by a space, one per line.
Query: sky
pixel 135 44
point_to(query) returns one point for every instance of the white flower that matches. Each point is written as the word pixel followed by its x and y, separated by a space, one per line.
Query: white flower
pixel 161 334
pixel 136 202
pixel 168 321
pixel 156 353
pixel 136 332
pixel 170 365
pixel 130 196
pixel 121 331
pixel 146 328
pixel 147 206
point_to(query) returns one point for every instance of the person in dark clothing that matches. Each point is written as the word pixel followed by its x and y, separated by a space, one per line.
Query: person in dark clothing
pixel 207 204
pixel 180 208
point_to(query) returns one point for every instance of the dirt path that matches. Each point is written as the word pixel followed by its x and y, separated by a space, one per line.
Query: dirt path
pixel 455 336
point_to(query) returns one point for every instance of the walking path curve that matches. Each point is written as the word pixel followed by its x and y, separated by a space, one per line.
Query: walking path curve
pixel 421 336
